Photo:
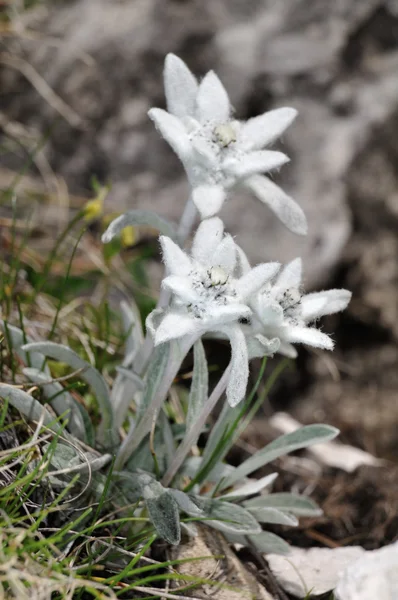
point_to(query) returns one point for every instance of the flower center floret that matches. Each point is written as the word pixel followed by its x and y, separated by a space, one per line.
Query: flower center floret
pixel 289 299
pixel 213 143
pixel 214 288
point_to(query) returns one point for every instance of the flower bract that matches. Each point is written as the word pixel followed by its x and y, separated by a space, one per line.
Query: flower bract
pixel 218 151
pixel 207 297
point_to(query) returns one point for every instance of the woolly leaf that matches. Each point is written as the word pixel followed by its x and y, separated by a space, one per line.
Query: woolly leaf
pixel 139 217
pixel 301 438
pixel 107 434
pixel 60 400
pixel 293 503
pixel 199 386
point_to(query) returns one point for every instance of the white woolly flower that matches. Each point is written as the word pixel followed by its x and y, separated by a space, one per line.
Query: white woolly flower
pixel 219 152
pixel 283 313
pixel 208 298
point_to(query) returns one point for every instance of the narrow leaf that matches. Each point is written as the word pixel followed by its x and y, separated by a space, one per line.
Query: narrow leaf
pixel 293 503
pixel 165 517
pixel 155 373
pixel 269 543
pixel 107 434
pixel 28 406
pixel 228 517
pixel 273 515
pixel 60 400
pixel 17 338
pixel 251 488
pixel 189 504
pixel 139 217
pixel 199 386
pixel 301 438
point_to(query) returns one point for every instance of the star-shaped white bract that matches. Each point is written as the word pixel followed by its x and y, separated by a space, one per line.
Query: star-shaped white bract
pixel 208 298
pixel 282 312
pixel 219 152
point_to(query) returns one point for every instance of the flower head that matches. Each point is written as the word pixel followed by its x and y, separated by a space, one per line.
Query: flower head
pixel 219 152
pixel 284 313
pixel 207 297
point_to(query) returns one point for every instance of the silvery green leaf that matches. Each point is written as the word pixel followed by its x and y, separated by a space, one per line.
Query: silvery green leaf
pixel 139 217
pixel 193 464
pixel 28 406
pixel 107 434
pixel 269 543
pixel 167 438
pixel 17 338
pixel 285 208
pixel 225 419
pixel 60 400
pixel 273 515
pixel 189 504
pixel 133 377
pixel 199 386
pixel 253 487
pixel 155 373
pixel 227 517
pixel 133 329
pixel 162 507
pixel 293 503
pixel 165 517
pixel 301 438
pixel 63 457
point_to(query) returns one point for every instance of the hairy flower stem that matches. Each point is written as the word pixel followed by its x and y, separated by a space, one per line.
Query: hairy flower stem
pixel 193 434
pixel 187 221
pixel 184 229
pixel 138 432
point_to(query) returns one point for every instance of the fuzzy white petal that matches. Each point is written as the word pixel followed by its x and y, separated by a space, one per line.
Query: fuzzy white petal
pixel 254 162
pixel 287 350
pixel 203 153
pixel 243 266
pixel 290 276
pixel 153 321
pixel 208 199
pixel 175 259
pixel 264 129
pixel 285 208
pixel 327 302
pixel 173 131
pixel 237 384
pixel 225 255
pixel 212 99
pixel 270 313
pixel 180 286
pixel 259 346
pixel 310 336
pixel 176 325
pixel 180 87
pixel 224 314
pixel 255 279
pixel 207 237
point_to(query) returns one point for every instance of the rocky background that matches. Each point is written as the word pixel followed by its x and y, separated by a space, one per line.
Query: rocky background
pixel 336 62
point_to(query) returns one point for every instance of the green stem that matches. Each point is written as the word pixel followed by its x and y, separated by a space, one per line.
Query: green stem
pixel 193 434
pixel 141 429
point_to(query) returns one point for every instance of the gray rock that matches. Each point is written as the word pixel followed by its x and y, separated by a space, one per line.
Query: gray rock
pixel 323 58
pixel 314 571
pixel 373 575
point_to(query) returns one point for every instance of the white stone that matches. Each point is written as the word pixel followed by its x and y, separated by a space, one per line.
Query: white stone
pixel 315 570
pixel 373 576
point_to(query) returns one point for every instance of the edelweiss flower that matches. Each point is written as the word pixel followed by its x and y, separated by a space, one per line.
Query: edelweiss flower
pixel 207 297
pixel 284 313
pixel 219 152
